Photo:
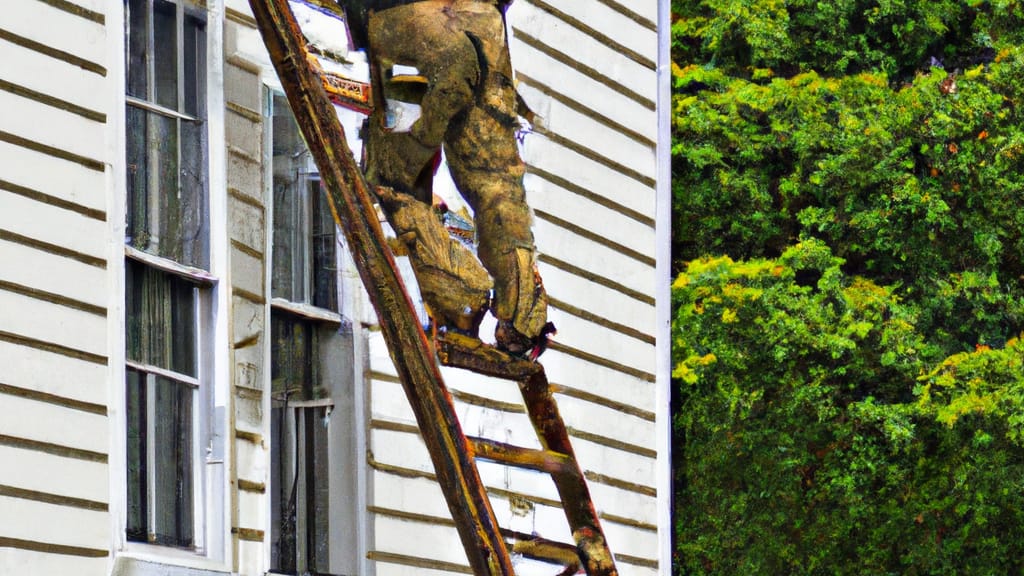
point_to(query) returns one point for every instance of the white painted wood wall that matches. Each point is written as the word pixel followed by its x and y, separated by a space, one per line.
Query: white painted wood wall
pixel 586 68
pixel 54 289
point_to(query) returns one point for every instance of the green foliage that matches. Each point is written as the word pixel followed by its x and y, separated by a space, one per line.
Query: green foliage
pixel 841 37
pixel 848 181
pixel 847 453
pixel 915 186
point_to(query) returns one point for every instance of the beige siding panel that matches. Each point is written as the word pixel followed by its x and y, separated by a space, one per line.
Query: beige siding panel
pixel 591 133
pixel 624 503
pixel 543 196
pixel 587 295
pixel 243 133
pixel 590 255
pixel 419 539
pixel 390 405
pixel 593 418
pixel 50 272
pixel 586 90
pixel 53 225
pixel 643 8
pixel 251 461
pixel 36 121
pixel 606 20
pixel 53 374
pixel 400 449
pixel 62 80
pixel 584 48
pixel 570 371
pixel 52 323
pixel 252 510
pixel 61 30
pixel 632 541
pixel 246 223
pixel 520 481
pixel 35 471
pixel 246 272
pixel 60 178
pixel 418 495
pixel 29 562
pixel 595 177
pixel 54 524
pixel 388 569
pixel 250 558
pixel 600 341
pixel 33 420
pixel 615 463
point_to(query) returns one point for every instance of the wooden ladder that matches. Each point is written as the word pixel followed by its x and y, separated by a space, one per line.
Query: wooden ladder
pixel 415 357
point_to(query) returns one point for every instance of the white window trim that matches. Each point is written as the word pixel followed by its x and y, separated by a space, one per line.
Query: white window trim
pixel 213 544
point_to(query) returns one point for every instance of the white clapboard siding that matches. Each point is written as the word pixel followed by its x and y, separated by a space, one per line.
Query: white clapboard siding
pixel 593 256
pixel 60 30
pixel 54 290
pixel 43 422
pixel 18 561
pixel 40 173
pixel 604 19
pixel 65 81
pixel 52 126
pixel 36 268
pixel 53 323
pixel 589 295
pixel 53 374
pixel 35 472
pixel 34 521
pixel 432 542
pixel 544 26
pixel 53 225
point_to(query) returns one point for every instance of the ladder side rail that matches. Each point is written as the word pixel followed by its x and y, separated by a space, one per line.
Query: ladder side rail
pixel 353 211
pixel 570 483
pixel 558 458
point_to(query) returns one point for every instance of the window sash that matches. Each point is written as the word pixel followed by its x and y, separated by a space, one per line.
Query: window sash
pixel 304 252
pixel 161 465
pixel 301 502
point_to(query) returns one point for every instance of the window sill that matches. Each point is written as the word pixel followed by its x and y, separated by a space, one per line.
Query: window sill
pixel 148 560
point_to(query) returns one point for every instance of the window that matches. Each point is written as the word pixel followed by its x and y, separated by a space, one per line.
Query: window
pixel 165 61
pixel 308 363
pixel 165 282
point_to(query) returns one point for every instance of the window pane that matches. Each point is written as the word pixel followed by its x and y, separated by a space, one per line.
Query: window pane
pixel 291 367
pixel 136 49
pixel 135 412
pixel 137 230
pixel 317 472
pixel 165 46
pixel 288 279
pixel 194 61
pixel 324 242
pixel 167 199
pixel 193 224
pixel 172 445
pixel 161 319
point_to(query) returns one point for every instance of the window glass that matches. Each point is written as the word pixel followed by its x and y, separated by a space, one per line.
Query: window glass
pixel 172 458
pixel 165 48
pixel 137 49
pixel 159 459
pixel 138 480
pixel 161 319
pixel 166 153
pixel 304 265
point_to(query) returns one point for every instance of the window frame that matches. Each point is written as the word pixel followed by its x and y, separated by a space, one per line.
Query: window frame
pixel 300 308
pixel 208 479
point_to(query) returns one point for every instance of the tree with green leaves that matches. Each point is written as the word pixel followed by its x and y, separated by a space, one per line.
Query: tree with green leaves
pixel 848 217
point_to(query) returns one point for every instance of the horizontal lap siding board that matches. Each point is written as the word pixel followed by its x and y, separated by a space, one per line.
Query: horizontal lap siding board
pixel 54 289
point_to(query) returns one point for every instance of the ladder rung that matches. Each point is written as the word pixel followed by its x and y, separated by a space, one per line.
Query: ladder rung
pixel 460 351
pixel 548 461
pixel 537 548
